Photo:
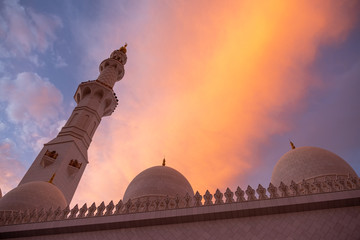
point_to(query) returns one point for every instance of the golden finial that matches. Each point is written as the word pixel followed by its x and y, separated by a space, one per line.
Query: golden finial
pixel 52 178
pixel 292 144
pixel 123 48
pixel 163 162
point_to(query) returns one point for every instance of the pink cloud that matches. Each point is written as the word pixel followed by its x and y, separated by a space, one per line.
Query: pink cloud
pixel 23 30
pixel 11 168
pixel 34 104
pixel 204 86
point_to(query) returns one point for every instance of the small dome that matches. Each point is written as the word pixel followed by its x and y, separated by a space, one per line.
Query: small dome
pixel 33 195
pixel 158 181
pixel 309 162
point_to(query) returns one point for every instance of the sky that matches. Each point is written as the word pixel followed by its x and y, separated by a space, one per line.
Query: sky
pixel 218 88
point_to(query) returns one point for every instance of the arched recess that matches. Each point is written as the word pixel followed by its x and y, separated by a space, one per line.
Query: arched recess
pixel 86 121
pixel 99 94
pixel 86 92
pixel 72 120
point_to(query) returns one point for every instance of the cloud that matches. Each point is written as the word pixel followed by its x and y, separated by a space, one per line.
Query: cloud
pixel 205 85
pixel 60 62
pixel 34 104
pixel 11 168
pixel 23 30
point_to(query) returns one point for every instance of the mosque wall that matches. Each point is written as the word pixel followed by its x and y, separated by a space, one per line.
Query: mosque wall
pixel 339 223
pixel 328 215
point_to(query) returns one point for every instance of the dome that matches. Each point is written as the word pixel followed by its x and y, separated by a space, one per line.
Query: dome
pixel 309 162
pixel 33 195
pixel 158 181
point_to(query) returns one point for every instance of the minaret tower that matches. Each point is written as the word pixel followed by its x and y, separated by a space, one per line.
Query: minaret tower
pixel 63 159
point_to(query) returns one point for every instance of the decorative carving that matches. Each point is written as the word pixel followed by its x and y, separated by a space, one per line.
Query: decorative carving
pixel 118 207
pixel 319 186
pixel 26 217
pixel 207 198
pixel 177 200
pixel 306 187
pixel 273 191
pixel 100 209
pixel 147 204
pixel 74 211
pixel 284 190
pixel 295 188
pixel 65 212
pixel 48 158
pixel 330 184
pixel 229 196
pixel 109 208
pixel 218 197
pixel 91 210
pixel 261 191
pixel 341 183
pixel 75 163
pixel 250 192
pixel 157 204
pixel 197 199
pixel 33 216
pixel 240 195
pixel 167 201
pixel 52 154
pixel 41 215
pixel 82 211
pixel 137 205
pixel 187 200
pixel 49 214
pixel 355 181
pixel 128 205
pixel 57 213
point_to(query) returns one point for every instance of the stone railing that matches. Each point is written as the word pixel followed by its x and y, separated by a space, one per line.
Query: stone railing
pixel 339 183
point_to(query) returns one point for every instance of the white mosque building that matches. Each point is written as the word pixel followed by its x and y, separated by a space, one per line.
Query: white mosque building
pixel 313 194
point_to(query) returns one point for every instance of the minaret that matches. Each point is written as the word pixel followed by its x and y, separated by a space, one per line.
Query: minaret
pixel 64 158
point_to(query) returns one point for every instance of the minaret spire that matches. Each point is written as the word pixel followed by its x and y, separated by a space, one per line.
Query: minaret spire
pixel 67 153
pixel 292 144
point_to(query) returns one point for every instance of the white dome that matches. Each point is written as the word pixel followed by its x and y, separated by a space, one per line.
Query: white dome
pixel 158 182
pixel 308 162
pixel 33 195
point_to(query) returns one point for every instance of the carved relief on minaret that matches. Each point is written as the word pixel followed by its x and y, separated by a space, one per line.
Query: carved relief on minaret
pixel 48 158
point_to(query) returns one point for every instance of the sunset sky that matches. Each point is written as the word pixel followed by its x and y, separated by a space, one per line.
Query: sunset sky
pixel 217 87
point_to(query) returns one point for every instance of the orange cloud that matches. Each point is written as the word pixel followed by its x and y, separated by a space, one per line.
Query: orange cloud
pixel 204 84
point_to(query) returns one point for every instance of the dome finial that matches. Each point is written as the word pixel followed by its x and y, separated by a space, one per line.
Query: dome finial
pixel 163 162
pixel 123 48
pixel 52 178
pixel 292 144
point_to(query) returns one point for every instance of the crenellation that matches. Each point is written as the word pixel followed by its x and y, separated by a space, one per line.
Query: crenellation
pixel 158 204
pixel 65 213
pixel 229 196
pixel 295 188
pixel 250 192
pixel 100 209
pixel 284 189
pixel 119 207
pixel 82 211
pixel 198 198
pixel 74 212
pixel 208 198
pixel 273 191
pixel 218 197
pixel 109 208
pixel 91 210
pixel 240 195
pixel 261 191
